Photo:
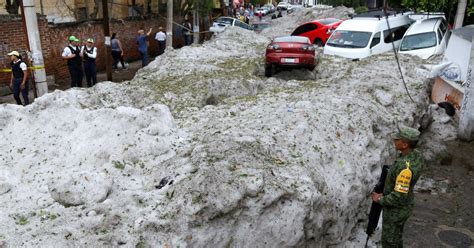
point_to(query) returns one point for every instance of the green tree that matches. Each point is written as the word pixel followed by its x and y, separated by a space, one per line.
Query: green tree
pixel 12 6
pixel 447 6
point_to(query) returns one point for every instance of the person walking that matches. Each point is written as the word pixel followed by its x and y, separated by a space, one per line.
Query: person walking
pixel 161 38
pixel 19 78
pixel 260 15
pixel 71 53
pixel 279 13
pixel 188 33
pixel 89 54
pixel 142 41
pixel 397 199
pixel 117 51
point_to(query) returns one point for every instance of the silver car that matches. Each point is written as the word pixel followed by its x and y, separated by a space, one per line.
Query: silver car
pixel 221 23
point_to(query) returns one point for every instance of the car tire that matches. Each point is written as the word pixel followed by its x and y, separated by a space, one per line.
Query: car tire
pixel 268 70
pixel 311 67
pixel 318 42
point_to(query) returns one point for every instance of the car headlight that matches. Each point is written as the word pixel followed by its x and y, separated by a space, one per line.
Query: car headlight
pixel 273 47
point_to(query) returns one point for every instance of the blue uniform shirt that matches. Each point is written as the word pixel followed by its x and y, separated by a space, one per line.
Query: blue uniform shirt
pixel 142 43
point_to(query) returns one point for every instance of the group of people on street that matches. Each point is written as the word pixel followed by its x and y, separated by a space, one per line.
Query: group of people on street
pixel 143 43
pixel 244 14
pixel 81 58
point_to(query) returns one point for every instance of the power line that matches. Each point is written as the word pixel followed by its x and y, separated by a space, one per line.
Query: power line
pixel 395 53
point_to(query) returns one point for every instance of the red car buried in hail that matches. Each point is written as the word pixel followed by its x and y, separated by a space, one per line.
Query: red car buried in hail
pixel 289 51
pixel 318 31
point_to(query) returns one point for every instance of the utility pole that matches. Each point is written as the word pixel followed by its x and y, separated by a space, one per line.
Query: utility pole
pixel 169 23
pixel 27 42
pixel 461 11
pixel 105 22
pixel 196 24
pixel 34 42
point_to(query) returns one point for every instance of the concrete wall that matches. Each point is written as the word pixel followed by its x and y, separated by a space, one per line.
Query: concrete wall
pixel 54 39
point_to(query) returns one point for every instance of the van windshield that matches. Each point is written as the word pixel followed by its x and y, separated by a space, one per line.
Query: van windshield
pixel 224 20
pixel 418 41
pixel 351 39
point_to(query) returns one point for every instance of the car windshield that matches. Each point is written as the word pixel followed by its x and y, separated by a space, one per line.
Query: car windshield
pixel 298 39
pixel 351 39
pixel 328 21
pixel 224 20
pixel 418 41
pixel 260 26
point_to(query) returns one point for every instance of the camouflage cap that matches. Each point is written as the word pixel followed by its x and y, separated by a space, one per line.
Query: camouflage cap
pixel 407 133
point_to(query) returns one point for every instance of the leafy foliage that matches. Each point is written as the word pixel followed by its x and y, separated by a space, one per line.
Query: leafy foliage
pixel 12 6
pixel 361 9
pixel 425 5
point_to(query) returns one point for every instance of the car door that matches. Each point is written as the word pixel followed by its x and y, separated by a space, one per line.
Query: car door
pixel 376 44
pixel 443 36
pixel 307 30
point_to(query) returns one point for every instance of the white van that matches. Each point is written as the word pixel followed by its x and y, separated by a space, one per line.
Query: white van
pixel 426 38
pixel 367 34
pixel 221 23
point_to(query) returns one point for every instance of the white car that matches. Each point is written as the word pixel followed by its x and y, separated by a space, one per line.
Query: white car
pixel 221 23
pixel 283 6
pixel 262 10
pixel 426 38
pixel 270 8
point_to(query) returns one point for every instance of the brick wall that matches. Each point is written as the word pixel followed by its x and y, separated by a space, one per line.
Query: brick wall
pixel 54 39
pixel 11 38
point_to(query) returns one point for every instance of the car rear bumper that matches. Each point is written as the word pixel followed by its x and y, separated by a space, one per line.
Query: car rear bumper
pixel 290 59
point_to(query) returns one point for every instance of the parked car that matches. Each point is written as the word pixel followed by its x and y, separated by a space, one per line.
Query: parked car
pixel 270 7
pixel 290 52
pixel 309 3
pixel 262 10
pixel 259 26
pixel 222 22
pixel 426 15
pixel 318 31
pixel 368 34
pixel 290 9
pixel 283 6
pixel 425 38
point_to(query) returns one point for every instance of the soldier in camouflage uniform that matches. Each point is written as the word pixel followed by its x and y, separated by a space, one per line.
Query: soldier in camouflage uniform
pixel 398 196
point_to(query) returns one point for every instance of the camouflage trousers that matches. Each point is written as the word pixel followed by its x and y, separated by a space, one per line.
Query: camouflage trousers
pixel 392 228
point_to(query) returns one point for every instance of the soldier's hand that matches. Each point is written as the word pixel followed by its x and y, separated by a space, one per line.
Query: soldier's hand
pixel 376 197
